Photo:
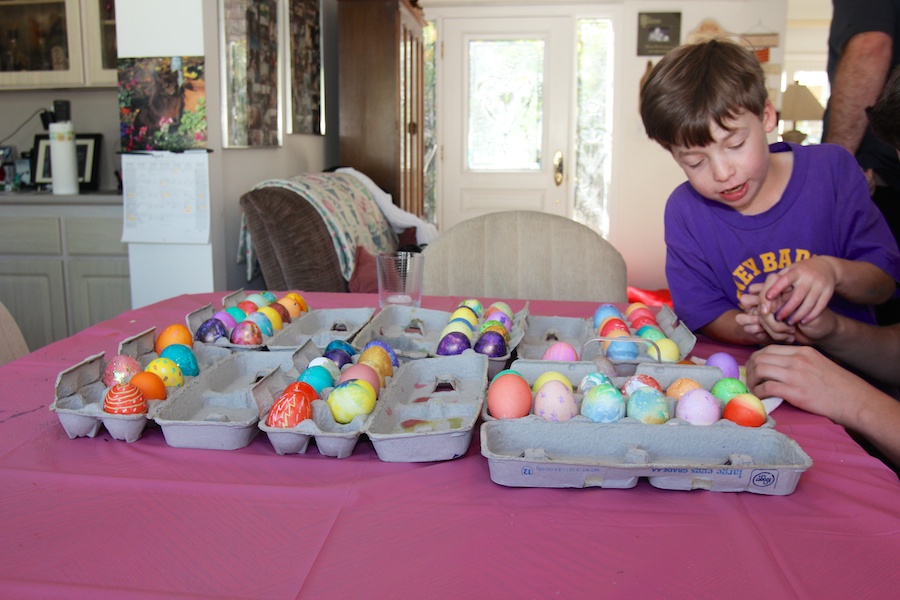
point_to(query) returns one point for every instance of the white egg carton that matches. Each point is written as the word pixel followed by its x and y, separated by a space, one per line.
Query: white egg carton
pixel 80 391
pixel 218 411
pixel 429 410
pixel 414 333
pixel 542 332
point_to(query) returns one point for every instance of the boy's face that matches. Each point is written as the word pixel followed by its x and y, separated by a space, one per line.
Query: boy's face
pixel 733 168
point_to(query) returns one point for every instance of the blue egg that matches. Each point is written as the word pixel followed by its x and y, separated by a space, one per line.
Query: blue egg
pixel 262 321
pixel 340 345
pixel 606 310
pixel 648 405
pixel 622 350
pixel 603 403
pixel 182 356
pixel 318 377
pixel 269 296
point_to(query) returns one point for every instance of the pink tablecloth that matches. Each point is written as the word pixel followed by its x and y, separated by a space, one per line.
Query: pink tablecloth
pixel 101 518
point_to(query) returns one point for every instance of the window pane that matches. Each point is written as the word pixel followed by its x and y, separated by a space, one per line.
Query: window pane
pixel 505 104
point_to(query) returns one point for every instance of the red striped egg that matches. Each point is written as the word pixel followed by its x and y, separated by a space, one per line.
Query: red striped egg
pixel 124 399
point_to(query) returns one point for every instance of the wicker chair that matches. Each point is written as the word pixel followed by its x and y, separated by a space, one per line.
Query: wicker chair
pixel 12 343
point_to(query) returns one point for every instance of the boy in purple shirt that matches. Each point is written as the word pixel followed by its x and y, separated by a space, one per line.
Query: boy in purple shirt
pixel 749 209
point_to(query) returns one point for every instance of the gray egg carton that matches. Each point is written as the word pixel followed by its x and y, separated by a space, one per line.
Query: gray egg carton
pixel 542 332
pixel 218 410
pixel 429 410
pixel 414 333
pixel 723 457
pixel 79 391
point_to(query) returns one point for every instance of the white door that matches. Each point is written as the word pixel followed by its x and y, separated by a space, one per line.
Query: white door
pixel 506 91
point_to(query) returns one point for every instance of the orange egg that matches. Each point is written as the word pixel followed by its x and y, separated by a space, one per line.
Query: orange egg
pixel 681 386
pixel 299 299
pixel 292 306
pixel 509 397
pixel 150 384
pixel 176 333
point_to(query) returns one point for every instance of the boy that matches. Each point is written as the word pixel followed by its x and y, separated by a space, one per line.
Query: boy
pixel 748 210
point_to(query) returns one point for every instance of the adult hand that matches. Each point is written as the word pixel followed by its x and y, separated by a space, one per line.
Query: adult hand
pixel 809 282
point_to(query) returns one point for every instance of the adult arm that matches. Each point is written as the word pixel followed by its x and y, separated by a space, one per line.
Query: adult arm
pixel 812 382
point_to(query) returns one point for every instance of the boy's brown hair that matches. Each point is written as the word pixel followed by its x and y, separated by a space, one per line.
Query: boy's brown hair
pixel 696 84
pixel 884 116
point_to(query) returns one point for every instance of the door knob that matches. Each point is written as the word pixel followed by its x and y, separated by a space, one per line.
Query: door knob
pixel 558 167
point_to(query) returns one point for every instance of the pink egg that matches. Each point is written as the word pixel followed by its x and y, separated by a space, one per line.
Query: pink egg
pixel 641 312
pixel 364 372
pixel 560 351
pixel 698 407
pixel 227 318
pixel 120 369
pixel 555 401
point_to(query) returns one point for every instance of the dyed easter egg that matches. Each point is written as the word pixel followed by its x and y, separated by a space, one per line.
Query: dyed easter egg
pixel 635 382
pixel 498 315
pixel 227 318
pixel 560 351
pixel 238 314
pixel 603 403
pixel 502 307
pixel 177 333
pixel 124 399
pixel 262 321
pixel 641 311
pixel 120 369
pixel 291 305
pixel 259 300
pixel 282 312
pixel 615 333
pixel 327 363
pixel 248 306
pixel 351 398
pixel 460 326
pixel 492 344
pixel 246 333
pixel 668 350
pixel 681 386
pixel 299 300
pixel 364 372
pixel 509 397
pixel 342 345
pixel 465 313
pixel 475 304
pixel 727 388
pixel 184 357
pixel 698 407
pixel 555 401
pixel 318 377
pixel 293 406
pixel 504 372
pixel 647 405
pixel 643 321
pixel 622 350
pixel 496 326
pixel 151 385
pixel 603 311
pixel 649 332
pixel 273 317
pixel 612 324
pixel 379 358
pixel 745 409
pixel 633 307
pixel 211 330
pixel 592 379
pixel 339 357
pixel 726 363
pixel 390 351
pixel 167 370
pixel 453 343
pixel 269 296
pixel 548 376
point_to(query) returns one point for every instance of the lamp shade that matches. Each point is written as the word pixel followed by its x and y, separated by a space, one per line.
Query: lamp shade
pixel 799 104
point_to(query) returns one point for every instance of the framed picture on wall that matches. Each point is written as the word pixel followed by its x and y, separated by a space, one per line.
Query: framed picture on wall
pixel 87 152
pixel 304 99
pixel 658 33
pixel 251 80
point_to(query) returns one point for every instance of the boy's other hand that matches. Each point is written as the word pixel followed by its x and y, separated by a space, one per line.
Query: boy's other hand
pixel 809 282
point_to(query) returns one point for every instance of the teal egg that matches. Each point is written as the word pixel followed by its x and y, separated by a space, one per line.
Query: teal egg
pixel 603 403
pixel 259 300
pixel 318 377
pixel 262 321
pixel 341 345
pixel 184 357
pixel 238 314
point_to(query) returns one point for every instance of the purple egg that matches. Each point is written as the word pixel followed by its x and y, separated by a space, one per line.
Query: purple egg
pixel 246 333
pixel 210 330
pixel 492 344
pixel 454 342
pixel 227 318
pixel 499 315
pixel 726 363
pixel 340 357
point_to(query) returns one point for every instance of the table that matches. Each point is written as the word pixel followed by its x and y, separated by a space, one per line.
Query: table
pixel 102 518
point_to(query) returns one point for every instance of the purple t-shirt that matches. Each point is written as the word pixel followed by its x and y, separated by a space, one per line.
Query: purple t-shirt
pixel 713 252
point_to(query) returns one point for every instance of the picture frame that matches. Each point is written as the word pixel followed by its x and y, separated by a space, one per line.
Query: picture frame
pixel 658 33
pixel 87 150
pixel 304 46
pixel 251 73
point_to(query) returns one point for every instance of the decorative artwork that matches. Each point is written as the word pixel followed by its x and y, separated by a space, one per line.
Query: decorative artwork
pixel 162 103
pixel 305 77
pixel 251 84
pixel 658 33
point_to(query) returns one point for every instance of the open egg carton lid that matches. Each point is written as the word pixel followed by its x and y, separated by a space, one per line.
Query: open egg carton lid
pixel 218 411
pixel 414 333
pixel 429 409
pixel 333 439
pixel 542 332
pixel 723 457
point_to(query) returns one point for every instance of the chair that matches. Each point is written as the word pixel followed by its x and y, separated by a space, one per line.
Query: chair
pixel 12 343
pixel 524 254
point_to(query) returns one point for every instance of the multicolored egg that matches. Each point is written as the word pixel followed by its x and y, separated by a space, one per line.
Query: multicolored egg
pixel 681 386
pixel 745 409
pixel 211 330
pixel 648 405
pixel 262 321
pixel 379 358
pixel 167 370
pixel 554 401
pixel 592 379
pixel 475 304
pixel 727 388
pixel 393 355
pixel 124 399
pixel 248 306
pixel 120 369
pixel 282 312
pixel 246 333
pixel 635 382
pixel 603 403
pixel 339 357
pixel 292 306
pixel 259 300
pixel 299 300
pixel 350 399
pixel 269 296
pixel 342 345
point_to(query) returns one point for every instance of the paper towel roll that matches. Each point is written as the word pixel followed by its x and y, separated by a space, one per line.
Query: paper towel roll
pixel 63 158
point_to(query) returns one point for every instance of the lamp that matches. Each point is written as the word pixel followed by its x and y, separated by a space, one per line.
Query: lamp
pixel 799 104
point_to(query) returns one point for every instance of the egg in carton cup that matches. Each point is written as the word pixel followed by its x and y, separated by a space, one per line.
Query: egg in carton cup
pixel 429 410
pixel 218 411
pixel 415 333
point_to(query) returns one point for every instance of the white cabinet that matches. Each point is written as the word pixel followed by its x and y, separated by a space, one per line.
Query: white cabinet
pixel 63 266
pixel 57 43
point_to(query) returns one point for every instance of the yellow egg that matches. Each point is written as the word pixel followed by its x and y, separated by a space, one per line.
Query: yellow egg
pixel 550 376
pixel 299 299
pixel 380 358
pixel 168 370
pixel 273 315
pixel 351 398
pixel 466 313
pixel 668 351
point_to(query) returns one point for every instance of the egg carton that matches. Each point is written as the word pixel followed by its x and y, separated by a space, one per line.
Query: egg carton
pixel 414 333
pixel 429 410
pixel 219 411
pixel 664 373
pixel 542 332
pixel 79 391
pixel 723 457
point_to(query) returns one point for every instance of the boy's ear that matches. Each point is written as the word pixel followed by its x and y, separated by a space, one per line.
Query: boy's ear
pixel 769 117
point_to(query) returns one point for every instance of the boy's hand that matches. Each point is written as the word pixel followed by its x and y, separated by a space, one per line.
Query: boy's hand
pixel 810 284
pixel 757 319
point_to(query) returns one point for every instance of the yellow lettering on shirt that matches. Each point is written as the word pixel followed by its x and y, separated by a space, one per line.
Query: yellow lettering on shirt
pixel 750 269
pixel 768 262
